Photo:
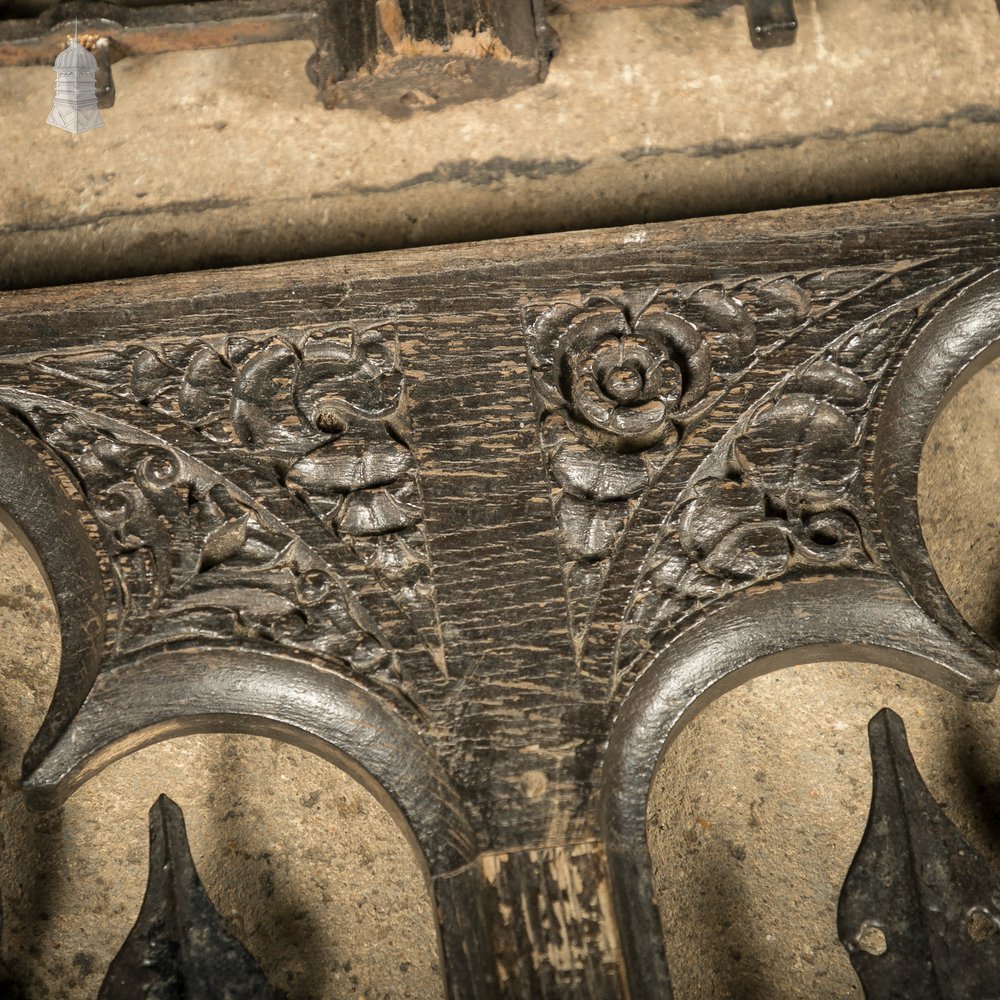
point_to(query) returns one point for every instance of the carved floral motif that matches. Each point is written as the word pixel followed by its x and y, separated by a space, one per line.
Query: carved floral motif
pixel 781 490
pixel 620 379
pixel 319 416
pixel 618 382
pixel 322 413
pixel 194 556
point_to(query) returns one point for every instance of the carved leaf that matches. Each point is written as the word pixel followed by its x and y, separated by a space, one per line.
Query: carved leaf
pixel 587 473
pixel 727 324
pixel 833 382
pixel 726 531
pixel 350 464
pixel 263 404
pixel 152 375
pixel 589 530
pixel 374 512
pixel 203 396
pixel 224 542
pixel 780 303
pixel 799 450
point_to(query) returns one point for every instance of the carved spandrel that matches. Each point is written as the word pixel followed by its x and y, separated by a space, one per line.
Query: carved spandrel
pixel 318 418
pixel 782 491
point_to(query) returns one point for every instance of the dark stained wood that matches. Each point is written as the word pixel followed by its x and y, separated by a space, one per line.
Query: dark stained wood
pixel 152 28
pixel 486 525
pixel 397 56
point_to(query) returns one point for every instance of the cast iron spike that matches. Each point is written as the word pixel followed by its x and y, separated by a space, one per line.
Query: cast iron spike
pixel 919 912
pixel 179 948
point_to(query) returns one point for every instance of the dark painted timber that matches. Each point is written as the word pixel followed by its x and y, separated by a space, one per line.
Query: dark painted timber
pixel 487 525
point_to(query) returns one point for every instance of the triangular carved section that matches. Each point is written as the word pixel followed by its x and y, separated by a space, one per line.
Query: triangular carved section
pixel 781 490
pixel 618 380
pixel 321 412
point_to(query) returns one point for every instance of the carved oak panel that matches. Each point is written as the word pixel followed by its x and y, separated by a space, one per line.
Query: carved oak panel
pixel 487 525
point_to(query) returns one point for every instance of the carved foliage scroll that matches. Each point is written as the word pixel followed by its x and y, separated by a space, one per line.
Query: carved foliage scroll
pixel 619 382
pixel 300 428
pixel 781 491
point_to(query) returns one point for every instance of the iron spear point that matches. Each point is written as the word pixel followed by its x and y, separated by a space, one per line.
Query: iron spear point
pixel 919 912
pixel 179 948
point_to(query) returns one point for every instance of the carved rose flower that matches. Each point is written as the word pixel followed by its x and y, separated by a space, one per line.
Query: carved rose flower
pixel 621 378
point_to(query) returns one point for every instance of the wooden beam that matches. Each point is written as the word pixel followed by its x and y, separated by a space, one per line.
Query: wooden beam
pixel 399 56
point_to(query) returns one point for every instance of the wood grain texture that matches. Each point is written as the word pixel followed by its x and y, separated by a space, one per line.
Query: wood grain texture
pixel 398 56
pixel 391 55
pixel 548 903
pixel 487 524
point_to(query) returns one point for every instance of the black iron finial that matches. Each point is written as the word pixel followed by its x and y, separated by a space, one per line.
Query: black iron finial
pixel 919 912
pixel 179 948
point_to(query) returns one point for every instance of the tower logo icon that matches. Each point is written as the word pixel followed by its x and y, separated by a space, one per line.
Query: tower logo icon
pixel 75 106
